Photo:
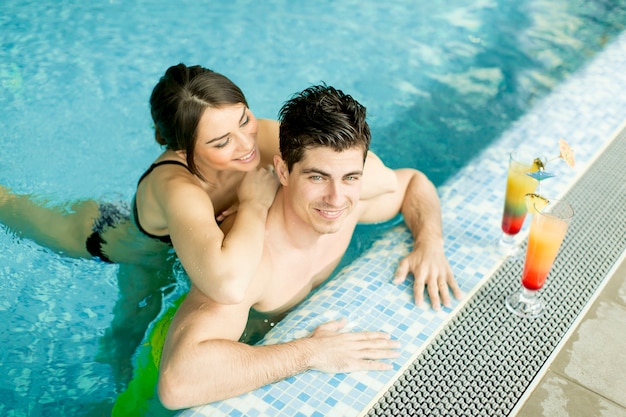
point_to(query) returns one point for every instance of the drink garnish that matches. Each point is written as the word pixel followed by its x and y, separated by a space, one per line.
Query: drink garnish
pixel 540 175
pixel 538 171
pixel 535 202
pixel 537 165
pixel 566 153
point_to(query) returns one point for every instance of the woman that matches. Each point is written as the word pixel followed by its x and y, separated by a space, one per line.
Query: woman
pixel 214 147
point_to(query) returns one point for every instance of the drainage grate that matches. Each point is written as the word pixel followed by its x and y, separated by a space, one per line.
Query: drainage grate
pixel 483 361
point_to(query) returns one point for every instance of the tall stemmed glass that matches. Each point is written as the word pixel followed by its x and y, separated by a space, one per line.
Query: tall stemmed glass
pixel 518 184
pixel 549 224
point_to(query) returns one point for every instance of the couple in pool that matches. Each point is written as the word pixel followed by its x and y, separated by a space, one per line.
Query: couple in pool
pixel 256 222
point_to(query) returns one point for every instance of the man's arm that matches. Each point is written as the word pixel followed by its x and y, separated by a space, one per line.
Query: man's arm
pixel 418 201
pixel 202 362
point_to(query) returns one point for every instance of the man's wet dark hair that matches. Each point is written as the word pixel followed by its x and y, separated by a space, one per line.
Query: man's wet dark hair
pixel 321 116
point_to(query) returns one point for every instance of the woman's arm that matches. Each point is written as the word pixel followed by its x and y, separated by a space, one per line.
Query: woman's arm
pixel 220 265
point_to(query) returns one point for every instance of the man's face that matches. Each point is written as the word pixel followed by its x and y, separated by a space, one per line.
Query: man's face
pixel 324 187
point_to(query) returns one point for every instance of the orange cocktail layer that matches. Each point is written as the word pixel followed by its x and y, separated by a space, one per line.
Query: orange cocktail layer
pixel 518 184
pixel 544 240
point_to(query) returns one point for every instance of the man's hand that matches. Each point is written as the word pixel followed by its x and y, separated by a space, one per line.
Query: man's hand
pixel 333 351
pixel 429 266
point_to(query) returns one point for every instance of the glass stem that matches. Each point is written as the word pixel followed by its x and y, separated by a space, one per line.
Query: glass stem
pixel 528 296
pixel 508 239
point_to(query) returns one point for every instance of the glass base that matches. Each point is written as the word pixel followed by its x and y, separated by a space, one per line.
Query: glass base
pixel 525 303
pixel 509 248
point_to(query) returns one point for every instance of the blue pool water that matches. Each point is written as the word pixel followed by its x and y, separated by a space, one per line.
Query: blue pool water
pixel 440 80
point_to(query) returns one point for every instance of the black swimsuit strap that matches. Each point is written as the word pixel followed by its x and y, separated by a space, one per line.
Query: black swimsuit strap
pixel 158 164
pixel 166 238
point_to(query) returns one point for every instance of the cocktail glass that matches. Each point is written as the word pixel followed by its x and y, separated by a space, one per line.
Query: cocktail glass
pixel 518 184
pixel 549 224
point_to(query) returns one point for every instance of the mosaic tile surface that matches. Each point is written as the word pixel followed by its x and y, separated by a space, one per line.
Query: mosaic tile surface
pixel 586 110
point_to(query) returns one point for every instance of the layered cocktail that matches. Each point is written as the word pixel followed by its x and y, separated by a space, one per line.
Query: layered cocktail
pixel 518 184
pixel 548 227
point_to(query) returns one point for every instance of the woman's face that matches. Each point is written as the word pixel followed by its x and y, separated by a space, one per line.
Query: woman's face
pixel 227 139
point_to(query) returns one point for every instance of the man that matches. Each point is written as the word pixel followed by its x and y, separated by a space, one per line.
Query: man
pixel 324 139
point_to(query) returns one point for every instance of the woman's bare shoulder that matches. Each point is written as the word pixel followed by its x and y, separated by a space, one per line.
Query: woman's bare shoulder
pixel 267 140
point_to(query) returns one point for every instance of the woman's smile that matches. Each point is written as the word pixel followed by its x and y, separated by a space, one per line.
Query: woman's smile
pixel 249 157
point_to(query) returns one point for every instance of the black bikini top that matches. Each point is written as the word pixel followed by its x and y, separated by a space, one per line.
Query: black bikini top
pixel 166 238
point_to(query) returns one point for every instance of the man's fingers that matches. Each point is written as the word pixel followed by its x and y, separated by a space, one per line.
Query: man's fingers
pixel 444 293
pixel 458 294
pixel 375 366
pixel 402 271
pixel 354 351
pixel 374 347
pixel 390 352
pixel 378 340
pixel 418 290
pixel 436 281
pixel 448 285
pixel 433 293
pixel 332 326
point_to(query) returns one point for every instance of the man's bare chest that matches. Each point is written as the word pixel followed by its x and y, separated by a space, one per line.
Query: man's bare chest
pixel 289 276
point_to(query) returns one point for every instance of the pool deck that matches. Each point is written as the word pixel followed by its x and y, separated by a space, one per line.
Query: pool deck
pixel 586 375
pixel 476 358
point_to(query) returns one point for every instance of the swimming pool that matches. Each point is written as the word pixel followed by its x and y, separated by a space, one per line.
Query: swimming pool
pixel 75 79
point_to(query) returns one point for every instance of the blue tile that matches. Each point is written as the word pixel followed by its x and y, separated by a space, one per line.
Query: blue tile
pixel 334 382
pixel 331 401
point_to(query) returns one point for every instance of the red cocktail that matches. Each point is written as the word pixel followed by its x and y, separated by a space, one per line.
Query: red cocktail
pixel 547 231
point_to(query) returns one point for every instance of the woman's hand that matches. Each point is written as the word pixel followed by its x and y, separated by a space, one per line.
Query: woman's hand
pixel 257 186
pixel 229 211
